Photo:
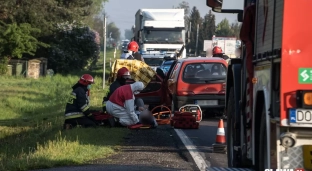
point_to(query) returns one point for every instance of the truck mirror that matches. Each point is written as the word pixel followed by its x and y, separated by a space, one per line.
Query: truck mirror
pixel 216 5
pixel 240 17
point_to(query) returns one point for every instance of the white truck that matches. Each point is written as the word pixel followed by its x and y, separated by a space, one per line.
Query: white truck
pixel 160 33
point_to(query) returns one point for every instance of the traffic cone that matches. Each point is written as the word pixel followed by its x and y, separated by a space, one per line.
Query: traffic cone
pixel 220 146
pixel 220 139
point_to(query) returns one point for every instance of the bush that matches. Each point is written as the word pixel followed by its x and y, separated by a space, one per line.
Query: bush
pixel 75 47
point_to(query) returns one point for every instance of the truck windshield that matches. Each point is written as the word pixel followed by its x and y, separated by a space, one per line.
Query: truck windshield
pixel 153 61
pixel 163 36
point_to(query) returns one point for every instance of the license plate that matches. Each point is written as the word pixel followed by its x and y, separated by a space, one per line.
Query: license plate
pixel 307 156
pixel 300 116
pixel 207 102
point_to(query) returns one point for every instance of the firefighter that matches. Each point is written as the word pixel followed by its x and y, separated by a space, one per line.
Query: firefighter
pixel 123 75
pixel 133 49
pixel 217 52
pixel 121 104
pixel 247 33
pixel 77 110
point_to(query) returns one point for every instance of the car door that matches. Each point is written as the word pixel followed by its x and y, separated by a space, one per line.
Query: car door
pixel 152 93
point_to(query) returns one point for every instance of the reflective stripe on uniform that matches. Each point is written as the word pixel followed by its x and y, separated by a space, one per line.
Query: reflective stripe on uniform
pixel 73 95
pixel 73 115
pixel 84 107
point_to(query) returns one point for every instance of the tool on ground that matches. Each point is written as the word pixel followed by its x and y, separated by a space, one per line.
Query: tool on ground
pixel 193 108
pixel 188 117
pixel 162 114
pixel 220 145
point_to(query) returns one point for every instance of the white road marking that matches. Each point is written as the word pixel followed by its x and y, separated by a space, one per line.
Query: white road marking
pixel 199 160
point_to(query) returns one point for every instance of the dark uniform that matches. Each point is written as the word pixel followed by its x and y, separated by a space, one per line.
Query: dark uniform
pixel 77 110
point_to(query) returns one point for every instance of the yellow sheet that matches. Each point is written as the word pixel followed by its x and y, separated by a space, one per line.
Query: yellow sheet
pixel 139 70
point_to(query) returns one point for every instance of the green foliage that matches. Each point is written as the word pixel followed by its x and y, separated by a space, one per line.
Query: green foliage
pixel 32 116
pixel 196 20
pixel 3 65
pixel 236 29
pixel 224 29
pixel 75 47
pixel 209 26
pixel 16 40
pixel 112 28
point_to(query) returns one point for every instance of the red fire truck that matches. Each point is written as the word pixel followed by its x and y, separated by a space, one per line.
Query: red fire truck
pixel 269 89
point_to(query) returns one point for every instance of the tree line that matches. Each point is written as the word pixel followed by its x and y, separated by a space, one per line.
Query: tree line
pixel 207 27
pixel 66 32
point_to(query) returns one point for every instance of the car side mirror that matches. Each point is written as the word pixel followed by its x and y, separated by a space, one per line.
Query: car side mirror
pixel 240 17
pixel 216 5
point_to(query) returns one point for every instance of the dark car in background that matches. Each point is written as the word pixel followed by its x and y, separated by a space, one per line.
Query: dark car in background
pixel 166 64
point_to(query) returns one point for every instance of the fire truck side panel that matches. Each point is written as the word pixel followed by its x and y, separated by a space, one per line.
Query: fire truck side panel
pixel 264 26
pixel 278 24
pixel 296 53
pixel 263 84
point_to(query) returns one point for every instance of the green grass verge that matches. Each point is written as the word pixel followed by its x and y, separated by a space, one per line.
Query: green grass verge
pixel 31 120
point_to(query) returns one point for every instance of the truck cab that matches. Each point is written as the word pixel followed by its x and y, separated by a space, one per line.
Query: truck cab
pixel 160 33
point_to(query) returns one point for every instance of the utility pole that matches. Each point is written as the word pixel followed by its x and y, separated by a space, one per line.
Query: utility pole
pixel 190 33
pixel 104 53
pixel 196 40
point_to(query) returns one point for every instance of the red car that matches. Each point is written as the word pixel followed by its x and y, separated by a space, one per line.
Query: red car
pixel 198 80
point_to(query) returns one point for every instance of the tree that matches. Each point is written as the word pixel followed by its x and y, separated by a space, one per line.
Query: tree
pixel 112 28
pixel 17 40
pixel 185 5
pixel 209 26
pixel 128 34
pixel 235 27
pixel 74 44
pixel 195 19
pixel 224 29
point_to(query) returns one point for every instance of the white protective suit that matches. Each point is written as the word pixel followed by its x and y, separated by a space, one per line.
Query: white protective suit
pixel 125 95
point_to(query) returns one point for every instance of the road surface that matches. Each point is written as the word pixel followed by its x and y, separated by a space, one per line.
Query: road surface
pixel 203 138
pixel 162 149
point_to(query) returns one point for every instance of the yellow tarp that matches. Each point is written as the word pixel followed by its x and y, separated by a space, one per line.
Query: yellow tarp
pixel 139 70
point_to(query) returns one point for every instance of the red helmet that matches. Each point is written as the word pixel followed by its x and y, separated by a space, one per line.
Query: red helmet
pixel 86 79
pixel 123 72
pixel 217 50
pixel 133 46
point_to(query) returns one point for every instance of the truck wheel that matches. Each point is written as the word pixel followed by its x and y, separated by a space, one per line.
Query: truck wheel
pixel 233 160
pixel 262 163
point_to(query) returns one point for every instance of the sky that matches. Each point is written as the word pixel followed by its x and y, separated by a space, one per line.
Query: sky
pixel 122 12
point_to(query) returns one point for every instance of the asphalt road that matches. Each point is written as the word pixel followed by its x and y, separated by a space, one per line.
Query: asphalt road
pixel 159 149
pixel 203 138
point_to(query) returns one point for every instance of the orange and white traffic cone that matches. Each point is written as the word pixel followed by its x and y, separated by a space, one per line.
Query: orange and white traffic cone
pixel 220 146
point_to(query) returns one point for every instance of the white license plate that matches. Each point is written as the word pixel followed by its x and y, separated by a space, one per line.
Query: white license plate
pixel 207 102
pixel 300 116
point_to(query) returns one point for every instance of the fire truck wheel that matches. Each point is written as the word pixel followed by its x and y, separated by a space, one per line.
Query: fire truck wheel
pixel 232 155
pixel 263 143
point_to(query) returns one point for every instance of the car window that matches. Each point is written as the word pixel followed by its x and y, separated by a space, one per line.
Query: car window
pixel 196 73
pixel 174 71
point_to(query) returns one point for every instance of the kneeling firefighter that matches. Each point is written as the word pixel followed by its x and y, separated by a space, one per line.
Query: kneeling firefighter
pixel 77 110
pixel 122 105
pixel 123 75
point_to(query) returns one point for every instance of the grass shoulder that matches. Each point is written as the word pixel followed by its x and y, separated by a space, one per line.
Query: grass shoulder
pixel 32 115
